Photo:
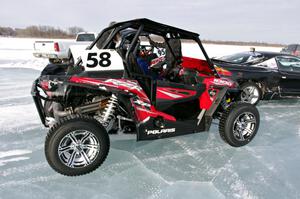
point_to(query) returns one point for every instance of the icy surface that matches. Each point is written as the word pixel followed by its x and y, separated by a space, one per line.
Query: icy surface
pixel 192 166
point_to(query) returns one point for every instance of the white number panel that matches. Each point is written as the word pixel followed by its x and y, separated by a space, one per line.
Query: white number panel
pixel 104 59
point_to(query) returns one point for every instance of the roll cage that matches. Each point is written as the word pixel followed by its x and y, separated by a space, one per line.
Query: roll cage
pixel 145 25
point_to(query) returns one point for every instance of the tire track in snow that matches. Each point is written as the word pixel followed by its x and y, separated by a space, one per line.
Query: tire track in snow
pixel 24 169
pixel 31 181
pixel 13 156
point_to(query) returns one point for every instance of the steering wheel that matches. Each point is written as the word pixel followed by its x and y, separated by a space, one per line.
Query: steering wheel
pixel 173 74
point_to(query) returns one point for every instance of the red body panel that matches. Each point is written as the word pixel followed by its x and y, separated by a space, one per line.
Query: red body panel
pixel 210 80
pixel 198 64
pixel 121 84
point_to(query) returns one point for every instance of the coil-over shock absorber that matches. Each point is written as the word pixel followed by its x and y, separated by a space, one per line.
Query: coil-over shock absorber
pixel 108 113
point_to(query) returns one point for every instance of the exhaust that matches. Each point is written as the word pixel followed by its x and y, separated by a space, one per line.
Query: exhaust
pixel 88 108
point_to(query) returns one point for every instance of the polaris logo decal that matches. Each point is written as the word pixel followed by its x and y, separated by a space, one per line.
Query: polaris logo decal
pixel 161 131
pixel 222 82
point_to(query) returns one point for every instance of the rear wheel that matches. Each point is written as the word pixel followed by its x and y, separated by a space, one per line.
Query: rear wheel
pixel 76 145
pixel 239 124
pixel 251 93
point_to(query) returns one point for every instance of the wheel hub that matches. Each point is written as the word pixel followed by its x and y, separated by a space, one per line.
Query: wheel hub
pixel 78 148
pixel 250 94
pixel 244 126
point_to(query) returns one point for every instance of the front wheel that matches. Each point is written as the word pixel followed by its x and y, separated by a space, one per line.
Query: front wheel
pixel 239 124
pixel 76 145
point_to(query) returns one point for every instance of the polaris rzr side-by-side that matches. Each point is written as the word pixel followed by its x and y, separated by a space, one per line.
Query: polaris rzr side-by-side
pixel 136 77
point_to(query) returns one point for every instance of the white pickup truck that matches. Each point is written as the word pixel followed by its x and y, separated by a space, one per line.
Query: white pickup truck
pixel 61 50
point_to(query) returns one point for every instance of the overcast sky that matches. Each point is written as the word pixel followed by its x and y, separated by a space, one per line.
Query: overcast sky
pixel 274 21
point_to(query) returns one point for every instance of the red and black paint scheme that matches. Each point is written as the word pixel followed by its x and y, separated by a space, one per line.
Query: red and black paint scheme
pixel 82 108
pixel 159 108
pixel 164 108
pixel 177 107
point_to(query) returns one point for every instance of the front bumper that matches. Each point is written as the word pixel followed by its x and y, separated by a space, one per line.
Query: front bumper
pixel 37 99
pixel 45 55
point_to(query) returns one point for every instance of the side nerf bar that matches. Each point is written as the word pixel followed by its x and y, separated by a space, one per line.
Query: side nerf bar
pixel 210 112
pixel 38 102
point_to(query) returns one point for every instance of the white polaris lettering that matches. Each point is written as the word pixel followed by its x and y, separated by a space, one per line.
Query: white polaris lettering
pixel 161 131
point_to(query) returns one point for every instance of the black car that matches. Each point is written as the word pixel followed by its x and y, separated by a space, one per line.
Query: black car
pixel 262 75
pixel 293 49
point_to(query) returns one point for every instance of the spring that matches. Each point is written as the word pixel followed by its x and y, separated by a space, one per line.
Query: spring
pixel 224 103
pixel 109 110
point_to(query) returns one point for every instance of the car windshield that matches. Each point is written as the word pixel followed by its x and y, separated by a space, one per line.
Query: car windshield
pixel 240 58
pixel 86 37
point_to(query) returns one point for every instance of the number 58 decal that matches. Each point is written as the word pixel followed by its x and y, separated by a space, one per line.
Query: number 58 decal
pixel 103 59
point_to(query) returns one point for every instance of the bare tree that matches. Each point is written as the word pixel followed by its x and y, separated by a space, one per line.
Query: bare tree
pixel 74 30
pixel 7 31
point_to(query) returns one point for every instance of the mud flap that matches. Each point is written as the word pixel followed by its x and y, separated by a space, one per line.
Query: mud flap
pixel 210 112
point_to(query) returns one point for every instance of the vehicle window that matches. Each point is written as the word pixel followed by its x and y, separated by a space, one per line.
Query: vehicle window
pixel 151 54
pixel 291 48
pixel 298 48
pixel 289 64
pixel 194 59
pixel 190 48
pixel 152 44
pixel 242 57
pixel 116 40
pixel 86 37
pixel 270 63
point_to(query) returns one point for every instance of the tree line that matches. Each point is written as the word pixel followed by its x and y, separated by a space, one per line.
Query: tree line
pixel 40 32
pixel 52 32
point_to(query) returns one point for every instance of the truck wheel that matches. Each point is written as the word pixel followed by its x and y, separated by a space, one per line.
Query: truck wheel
pixel 76 145
pixel 251 93
pixel 239 124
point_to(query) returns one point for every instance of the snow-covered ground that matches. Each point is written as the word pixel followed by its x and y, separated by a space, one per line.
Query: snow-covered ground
pixel 193 166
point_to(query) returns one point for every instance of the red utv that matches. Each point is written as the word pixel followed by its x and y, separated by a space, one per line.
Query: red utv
pixel 159 94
